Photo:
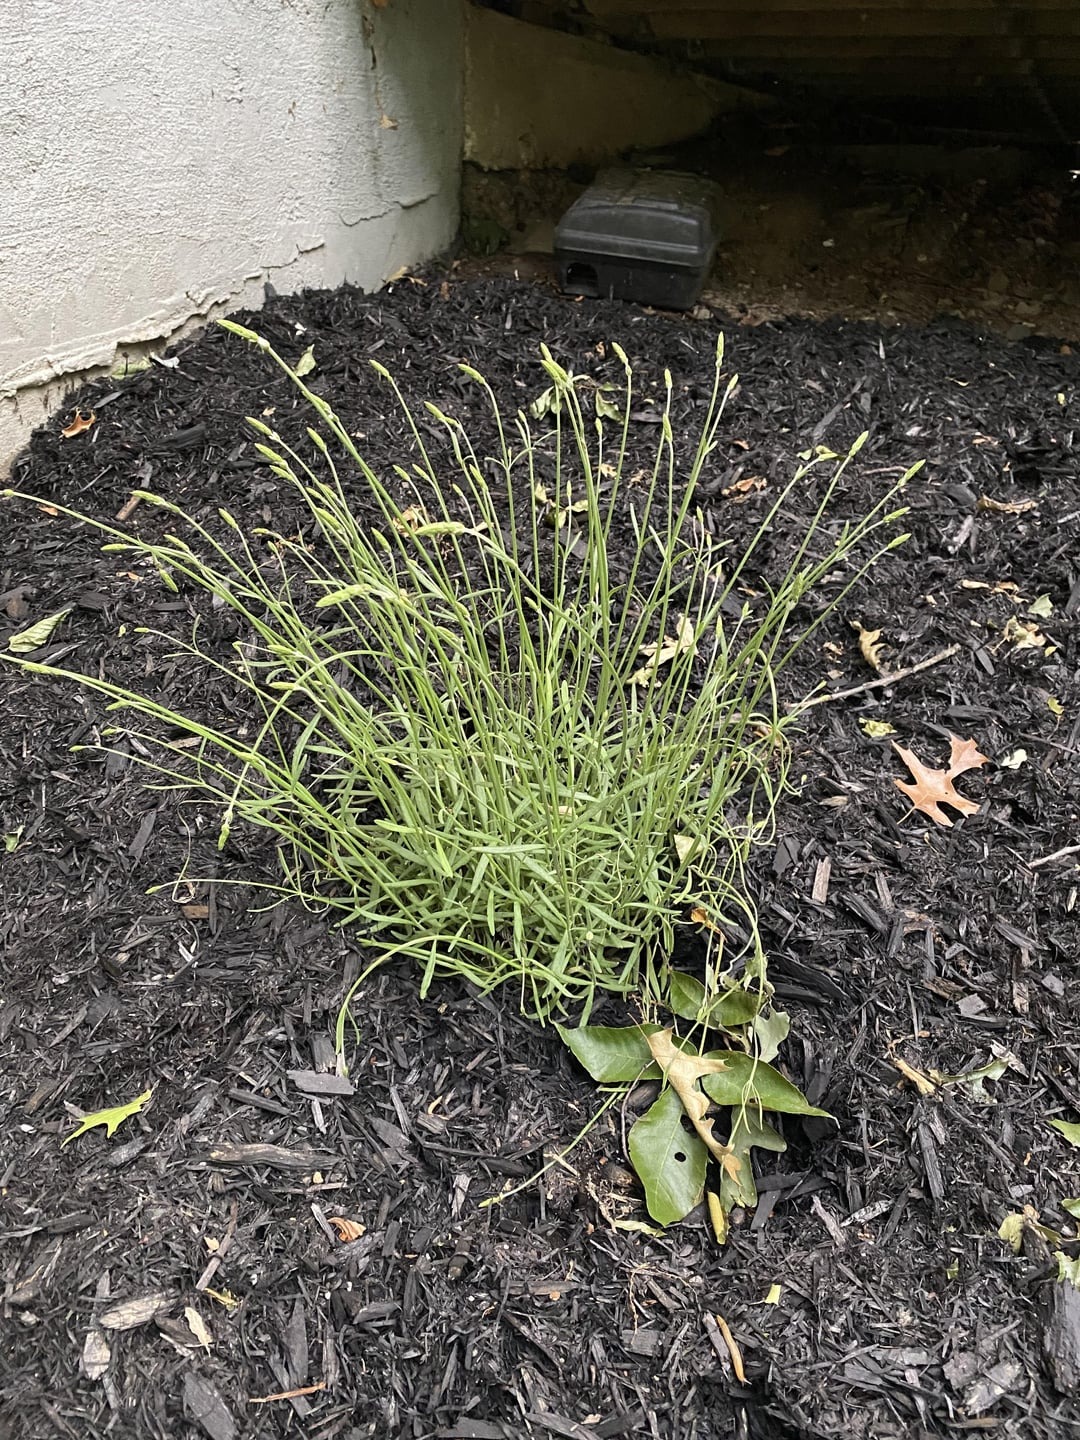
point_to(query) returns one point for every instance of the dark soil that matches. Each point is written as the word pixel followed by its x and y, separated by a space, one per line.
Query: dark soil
pixel 891 939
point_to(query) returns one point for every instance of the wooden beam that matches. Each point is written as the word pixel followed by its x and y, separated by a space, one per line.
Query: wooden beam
pixel 991 50
pixel 809 24
pixel 631 10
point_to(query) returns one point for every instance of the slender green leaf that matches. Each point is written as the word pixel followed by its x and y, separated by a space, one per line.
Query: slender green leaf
pixel 670 1161
pixel 1067 1128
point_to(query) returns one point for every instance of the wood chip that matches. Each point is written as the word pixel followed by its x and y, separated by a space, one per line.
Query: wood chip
pixel 139 1310
pixel 313 1082
pixel 276 1156
pixel 205 1406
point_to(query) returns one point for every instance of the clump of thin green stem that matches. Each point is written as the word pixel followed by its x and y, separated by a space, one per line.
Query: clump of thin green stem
pixel 481 733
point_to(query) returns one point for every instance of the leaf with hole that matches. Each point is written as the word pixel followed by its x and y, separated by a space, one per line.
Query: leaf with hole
pixel 670 1163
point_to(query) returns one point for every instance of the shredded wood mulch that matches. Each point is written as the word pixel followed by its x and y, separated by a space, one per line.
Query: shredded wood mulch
pixel 188 1276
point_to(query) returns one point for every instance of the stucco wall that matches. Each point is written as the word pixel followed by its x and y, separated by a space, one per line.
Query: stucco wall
pixel 161 161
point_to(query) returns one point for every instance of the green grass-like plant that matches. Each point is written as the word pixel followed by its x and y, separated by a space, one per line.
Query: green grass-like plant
pixel 477 734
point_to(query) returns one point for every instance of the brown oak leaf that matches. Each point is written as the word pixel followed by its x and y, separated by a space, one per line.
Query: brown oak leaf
pixel 934 788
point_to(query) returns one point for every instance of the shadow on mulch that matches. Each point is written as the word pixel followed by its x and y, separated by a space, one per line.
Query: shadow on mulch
pixel 164 1282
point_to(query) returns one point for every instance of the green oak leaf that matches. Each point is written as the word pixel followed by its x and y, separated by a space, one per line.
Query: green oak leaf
pixel 747 1131
pixel 110 1118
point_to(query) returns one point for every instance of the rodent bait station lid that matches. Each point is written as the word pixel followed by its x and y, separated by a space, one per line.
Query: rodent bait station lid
pixel 647 236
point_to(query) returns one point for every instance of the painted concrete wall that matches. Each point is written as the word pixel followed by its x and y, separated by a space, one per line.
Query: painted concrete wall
pixel 539 99
pixel 159 162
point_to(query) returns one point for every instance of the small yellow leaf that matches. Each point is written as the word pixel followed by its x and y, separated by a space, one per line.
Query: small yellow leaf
pixel 1041 607
pixel 306 363
pixel 922 1083
pixel 1011 1230
pixel 700 916
pixel 717 1217
pixel 197 1325
pixel 224 1297
pixel 733 1348
pixel 659 652
pixel 686 846
pixel 110 1118
pixel 773 1297
pixel 1054 705
pixel 876 729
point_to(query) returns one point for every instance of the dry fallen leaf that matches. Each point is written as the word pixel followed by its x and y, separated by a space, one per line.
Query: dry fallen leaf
pixel 934 788
pixel 411 519
pixel 346 1230
pixel 700 916
pixel 869 647
pixel 1023 634
pixel 922 1083
pixel 742 489
pixel 198 1327
pixel 79 423
pixel 288 1394
pixel 683 1072
pixel 1005 507
pixel 964 755
pixel 660 652
pixel 733 1349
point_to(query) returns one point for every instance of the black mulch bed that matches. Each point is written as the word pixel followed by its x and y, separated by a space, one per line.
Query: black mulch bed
pixel 900 1313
